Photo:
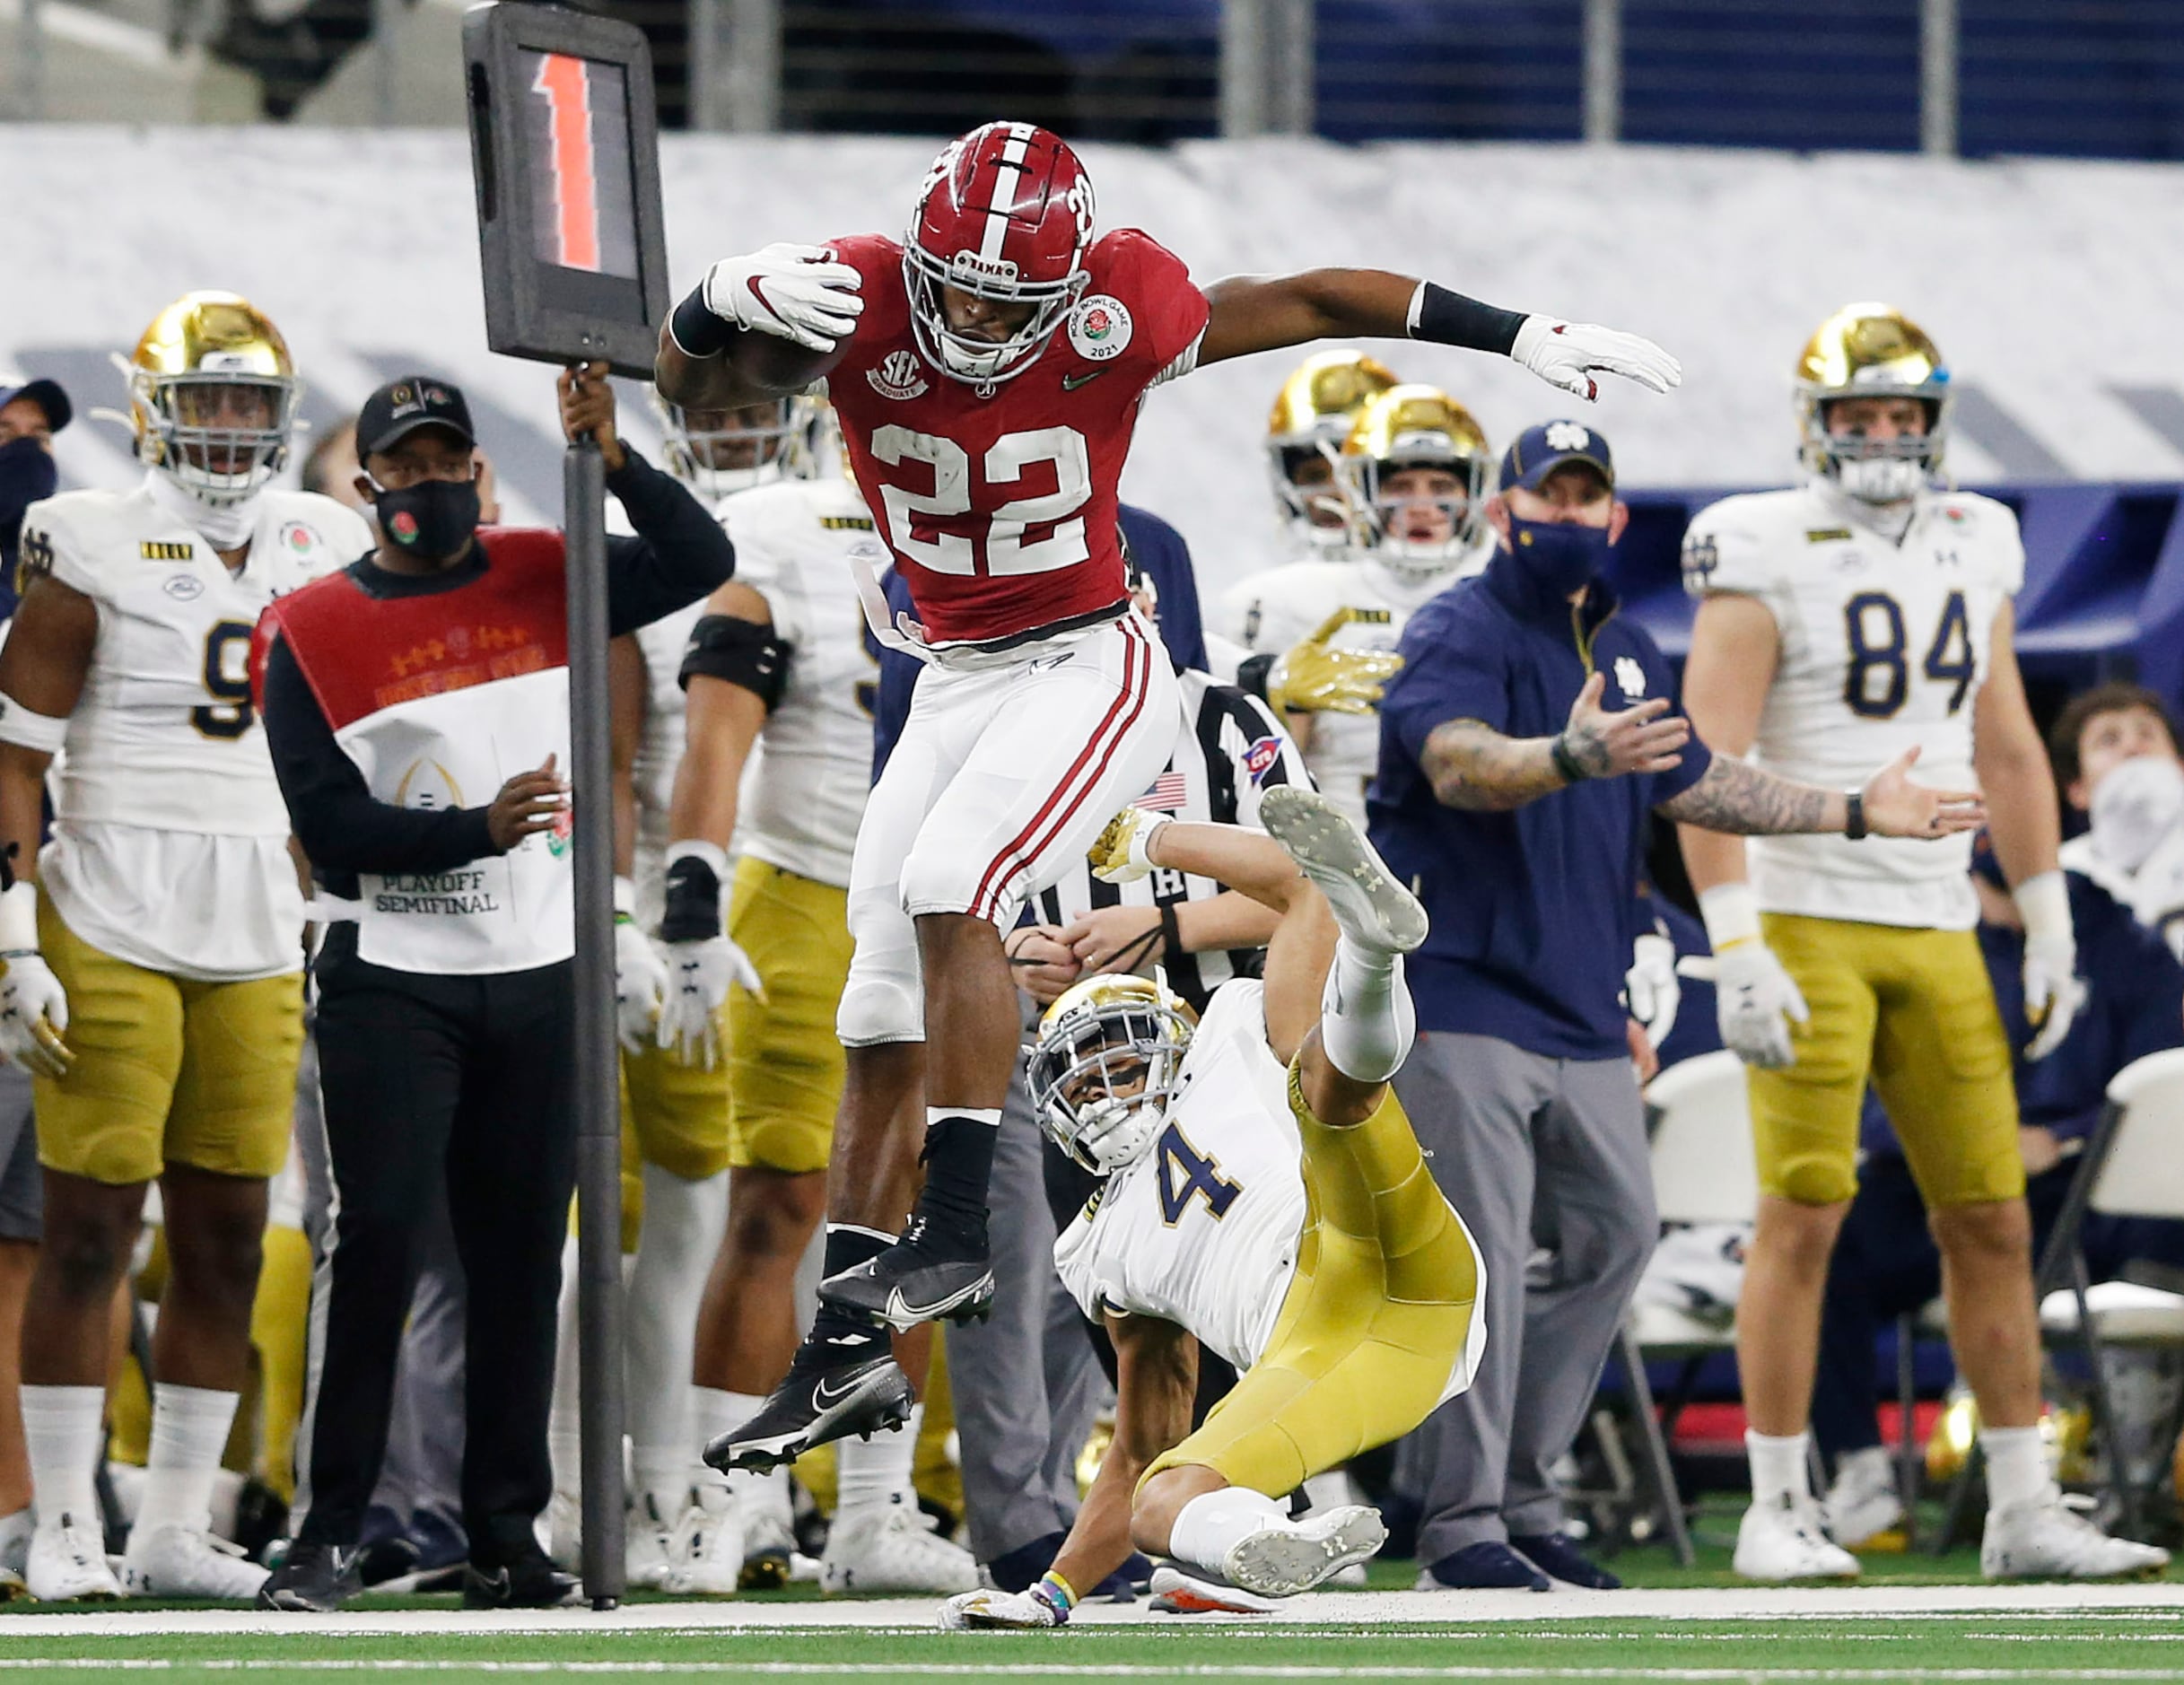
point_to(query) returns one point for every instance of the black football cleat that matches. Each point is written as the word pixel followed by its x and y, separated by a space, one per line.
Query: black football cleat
pixel 530 1582
pixel 820 1399
pixel 312 1579
pixel 918 1279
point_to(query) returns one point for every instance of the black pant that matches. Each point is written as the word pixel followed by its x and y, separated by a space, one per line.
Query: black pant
pixel 471 1078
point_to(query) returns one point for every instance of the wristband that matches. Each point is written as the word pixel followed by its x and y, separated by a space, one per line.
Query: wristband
pixel 1450 319
pixel 1573 771
pixel 2042 902
pixel 696 331
pixel 1854 815
pixel 1251 672
pixel 19 920
pixel 1057 1594
pixel 626 899
pixel 1731 912
pixel 692 909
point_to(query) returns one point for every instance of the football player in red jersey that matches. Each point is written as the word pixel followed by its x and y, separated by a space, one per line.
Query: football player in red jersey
pixel 987 371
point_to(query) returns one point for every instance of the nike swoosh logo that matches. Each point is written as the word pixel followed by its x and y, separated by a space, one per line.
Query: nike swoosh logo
pixel 825 1394
pixel 496 1580
pixel 902 1307
pixel 1070 382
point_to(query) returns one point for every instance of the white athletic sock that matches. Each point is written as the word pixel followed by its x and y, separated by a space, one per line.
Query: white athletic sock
pixel 60 1431
pixel 565 1426
pixel 1367 1020
pixel 2016 1467
pixel 1868 1465
pixel 190 1430
pixel 683 1223
pixel 713 1413
pixel 15 1531
pixel 873 1473
pixel 1210 1524
pixel 1781 1467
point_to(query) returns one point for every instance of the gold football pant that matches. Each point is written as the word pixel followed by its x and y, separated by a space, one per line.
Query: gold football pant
pixel 167 1068
pixel 785 1063
pixel 1375 1319
pixel 1913 1011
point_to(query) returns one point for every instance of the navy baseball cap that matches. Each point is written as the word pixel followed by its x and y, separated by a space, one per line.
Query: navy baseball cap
pixel 45 394
pixel 401 407
pixel 1540 450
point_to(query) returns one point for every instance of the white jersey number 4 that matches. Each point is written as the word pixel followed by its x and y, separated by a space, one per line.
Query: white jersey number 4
pixel 1005 547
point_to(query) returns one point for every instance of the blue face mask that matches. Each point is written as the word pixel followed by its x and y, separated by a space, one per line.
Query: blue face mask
pixel 1563 557
pixel 27 476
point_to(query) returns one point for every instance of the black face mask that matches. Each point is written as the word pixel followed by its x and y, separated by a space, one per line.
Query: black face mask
pixel 27 474
pixel 432 521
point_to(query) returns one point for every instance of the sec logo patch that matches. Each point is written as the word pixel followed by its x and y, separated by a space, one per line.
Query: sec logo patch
pixel 1100 328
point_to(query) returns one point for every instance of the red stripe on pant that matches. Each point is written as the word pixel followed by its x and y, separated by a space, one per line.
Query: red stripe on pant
pixel 1017 849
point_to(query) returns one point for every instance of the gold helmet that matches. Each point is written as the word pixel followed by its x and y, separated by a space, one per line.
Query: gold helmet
pixel 1311 417
pixel 719 452
pixel 1415 426
pixel 213 396
pixel 1872 351
pixel 1107 1061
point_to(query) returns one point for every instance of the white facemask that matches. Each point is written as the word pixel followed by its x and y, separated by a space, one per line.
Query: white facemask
pixel 2135 807
pixel 224 525
pixel 1880 479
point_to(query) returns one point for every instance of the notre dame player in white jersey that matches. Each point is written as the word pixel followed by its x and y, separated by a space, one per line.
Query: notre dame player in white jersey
pixel 1411 477
pixel 1863 614
pixel 161 930
pixel 1266 1198
pixel 780 679
pixel 675 1111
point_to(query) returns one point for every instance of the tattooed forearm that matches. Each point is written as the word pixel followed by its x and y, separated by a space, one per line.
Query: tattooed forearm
pixel 1741 801
pixel 1473 766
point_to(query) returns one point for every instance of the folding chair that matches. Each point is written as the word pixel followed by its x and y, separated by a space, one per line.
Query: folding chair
pixel 1703 1171
pixel 2132 1167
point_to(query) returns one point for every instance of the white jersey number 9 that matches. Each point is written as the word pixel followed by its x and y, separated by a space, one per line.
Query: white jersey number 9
pixel 1007 551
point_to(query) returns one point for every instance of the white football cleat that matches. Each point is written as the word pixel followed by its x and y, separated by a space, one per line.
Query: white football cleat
pixel 1291 1556
pixel 1787 1541
pixel 564 1527
pixel 1371 907
pixel 648 1546
pixel 177 1561
pixel 2048 1540
pixel 709 1548
pixel 1176 1592
pixel 888 1549
pixel 68 1562
pixel 1862 1501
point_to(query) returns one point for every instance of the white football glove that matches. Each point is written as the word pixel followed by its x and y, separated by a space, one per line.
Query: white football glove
pixel 791 292
pixel 1754 999
pixel 2054 992
pixel 640 980
pixel 1566 353
pixel 1651 988
pixel 33 1014
pixel 988 1610
pixel 698 977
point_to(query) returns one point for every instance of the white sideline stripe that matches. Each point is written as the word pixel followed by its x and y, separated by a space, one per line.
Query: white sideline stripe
pixel 83 27
pixel 1073 1669
pixel 1336 1612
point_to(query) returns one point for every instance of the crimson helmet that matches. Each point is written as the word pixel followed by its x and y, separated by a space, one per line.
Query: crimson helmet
pixel 1006 213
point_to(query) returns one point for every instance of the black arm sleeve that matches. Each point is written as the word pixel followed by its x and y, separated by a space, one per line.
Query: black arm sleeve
pixel 680 552
pixel 342 825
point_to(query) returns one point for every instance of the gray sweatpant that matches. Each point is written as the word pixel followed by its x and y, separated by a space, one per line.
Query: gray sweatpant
pixel 1025 1383
pixel 1535 1153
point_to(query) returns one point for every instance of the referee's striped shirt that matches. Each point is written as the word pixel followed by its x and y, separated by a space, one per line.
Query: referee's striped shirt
pixel 1229 749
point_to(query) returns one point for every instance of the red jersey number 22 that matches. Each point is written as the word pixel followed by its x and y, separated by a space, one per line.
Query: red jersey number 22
pixel 1007 550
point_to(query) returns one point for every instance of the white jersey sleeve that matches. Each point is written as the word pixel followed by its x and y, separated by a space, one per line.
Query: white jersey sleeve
pixel 804 788
pixel 1884 643
pixel 1203 1230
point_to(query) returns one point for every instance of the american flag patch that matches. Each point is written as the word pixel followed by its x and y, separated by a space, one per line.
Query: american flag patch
pixel 1167 794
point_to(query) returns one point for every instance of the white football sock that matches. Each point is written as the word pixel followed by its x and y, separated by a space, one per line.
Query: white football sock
pixel 15 1531
pixel 2016 1467
pixel 1367 1020
pixel 683 1222
pixel 713 1413
pixel 1212 1524
pixel 190 1430
pixel 565 1426
pixel 1781 1466
pixel 873 1473
pixel 61 1428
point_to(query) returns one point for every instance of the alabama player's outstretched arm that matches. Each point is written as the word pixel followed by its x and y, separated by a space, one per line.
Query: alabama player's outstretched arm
pixel 762 326
pixel 1252 313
